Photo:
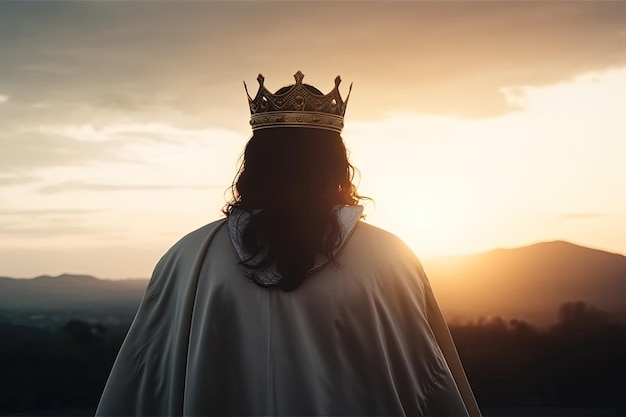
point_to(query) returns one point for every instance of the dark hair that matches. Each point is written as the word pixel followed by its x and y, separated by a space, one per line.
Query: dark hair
pixel 296 176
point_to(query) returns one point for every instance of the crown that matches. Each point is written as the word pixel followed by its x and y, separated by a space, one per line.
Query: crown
pixel 300 105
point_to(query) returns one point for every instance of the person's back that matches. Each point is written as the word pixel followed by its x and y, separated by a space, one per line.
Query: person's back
pixel 291 305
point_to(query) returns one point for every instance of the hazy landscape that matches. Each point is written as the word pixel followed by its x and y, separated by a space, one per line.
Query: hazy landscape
pixel 528 282
pixel 522 283
pixel 541 330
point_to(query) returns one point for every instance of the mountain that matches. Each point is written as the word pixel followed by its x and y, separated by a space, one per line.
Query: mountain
pixel 529 282
pixel 69 292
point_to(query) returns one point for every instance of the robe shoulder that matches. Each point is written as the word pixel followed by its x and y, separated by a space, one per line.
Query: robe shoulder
pixel 193 240
pixel 179 261
pixel 375 240
pixel 375 252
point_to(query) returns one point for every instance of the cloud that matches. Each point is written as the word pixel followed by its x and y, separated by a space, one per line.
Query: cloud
pixel 84 186
pixel 26 151
pixel 450 58
pixel 6 181
pixel 47 231
pixel 45 212
pixel 3 98
pixel 50 68
pixel 24 225
pixel 131 132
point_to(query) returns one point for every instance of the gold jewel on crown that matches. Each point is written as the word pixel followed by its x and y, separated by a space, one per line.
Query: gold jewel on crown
pixel 297 107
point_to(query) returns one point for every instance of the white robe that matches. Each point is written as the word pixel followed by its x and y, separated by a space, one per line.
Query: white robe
pixel 362 338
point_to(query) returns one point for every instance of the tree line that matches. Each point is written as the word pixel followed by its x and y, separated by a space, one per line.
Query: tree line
pixel 577 363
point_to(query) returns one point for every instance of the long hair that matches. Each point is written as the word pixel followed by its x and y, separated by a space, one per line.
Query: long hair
pixel 295 177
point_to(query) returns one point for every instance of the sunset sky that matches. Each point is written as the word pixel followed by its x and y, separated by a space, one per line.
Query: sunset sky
pixel 475 125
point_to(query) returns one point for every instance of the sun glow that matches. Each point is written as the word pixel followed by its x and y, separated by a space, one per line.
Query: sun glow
pixel 448 185
pixel 552 169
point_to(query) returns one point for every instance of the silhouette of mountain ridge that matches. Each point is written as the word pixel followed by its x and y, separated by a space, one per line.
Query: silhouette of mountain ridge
pixel 528 282
pixel 69 291
pixel 65 277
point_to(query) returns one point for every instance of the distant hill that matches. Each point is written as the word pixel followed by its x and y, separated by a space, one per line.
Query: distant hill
pixel 526 283
pixel 529 282
pixel 70 292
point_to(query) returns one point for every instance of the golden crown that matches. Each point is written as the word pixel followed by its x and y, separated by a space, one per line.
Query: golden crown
pixel 300 105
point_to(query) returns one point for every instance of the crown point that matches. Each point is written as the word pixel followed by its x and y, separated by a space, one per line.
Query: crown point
pixel 298 107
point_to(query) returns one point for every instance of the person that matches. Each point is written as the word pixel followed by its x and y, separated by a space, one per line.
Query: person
pixel 291 304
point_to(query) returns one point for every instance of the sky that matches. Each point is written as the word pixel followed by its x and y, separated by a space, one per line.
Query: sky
pixel 475 125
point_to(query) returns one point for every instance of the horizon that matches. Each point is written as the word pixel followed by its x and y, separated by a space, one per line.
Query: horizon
pixel 528 283
pixel 475 125
pixel 423 260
